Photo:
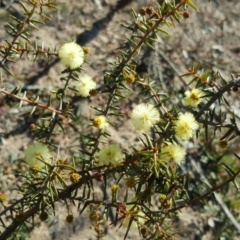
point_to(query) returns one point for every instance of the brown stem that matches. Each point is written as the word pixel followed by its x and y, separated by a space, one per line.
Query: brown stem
pixel 18 34
pixel 217 95
pixel 34 103
pixel 22 50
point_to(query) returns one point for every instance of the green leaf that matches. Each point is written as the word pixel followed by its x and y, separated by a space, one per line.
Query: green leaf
pixel 64 184
pixel 150 46
pixel 135 15
pixel 228 169
pixel 24 8
pixel 8 71
pixel 236 156
pixel 236 184
pixel 191 4
pixel 131 42
pixel 206 131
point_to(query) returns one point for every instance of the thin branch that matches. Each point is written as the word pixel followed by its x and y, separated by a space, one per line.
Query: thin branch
pixel 34 103
pixel 18 34
pixel 36 51
pixel 217 95
pixel 211 191
pixel 218 198
pixel 62 195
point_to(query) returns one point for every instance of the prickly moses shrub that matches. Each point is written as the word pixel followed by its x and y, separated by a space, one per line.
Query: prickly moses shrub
pixel 145 182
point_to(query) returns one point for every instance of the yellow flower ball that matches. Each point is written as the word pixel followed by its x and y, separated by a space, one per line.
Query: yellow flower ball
pixel 193 97
pixel 185 126
pixel 35 152
pixel 144 116
pixel 173 152
pixel 110 155
pixel 85 85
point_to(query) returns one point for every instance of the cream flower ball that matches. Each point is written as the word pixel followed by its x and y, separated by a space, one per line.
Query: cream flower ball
pixel 174 152
pixel 71 55
pixel 144 116
pixel 185 126
pixel 193 97
pixel 85 85
pixel 36 151
pixel 110 155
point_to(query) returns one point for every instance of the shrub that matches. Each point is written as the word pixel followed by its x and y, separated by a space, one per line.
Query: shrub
pixel 145 185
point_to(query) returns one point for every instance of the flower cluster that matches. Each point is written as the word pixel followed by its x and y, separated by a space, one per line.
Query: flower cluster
pixel 185 126
pixel 193 98
pixel 85 85
pixel 144 116
pixel 110 155
pixel 71 55
pixel 35 152
pixel 173 152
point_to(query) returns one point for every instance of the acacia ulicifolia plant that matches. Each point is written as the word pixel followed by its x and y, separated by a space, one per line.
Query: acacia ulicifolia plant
pixel 140 176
